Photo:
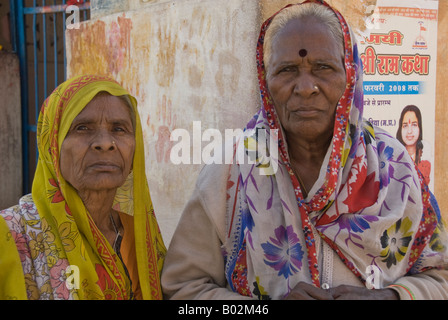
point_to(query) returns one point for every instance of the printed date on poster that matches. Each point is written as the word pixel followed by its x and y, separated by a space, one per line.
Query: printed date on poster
pixel 393 87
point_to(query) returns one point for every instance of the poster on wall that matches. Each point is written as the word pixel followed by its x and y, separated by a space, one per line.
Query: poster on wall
pixel 399 58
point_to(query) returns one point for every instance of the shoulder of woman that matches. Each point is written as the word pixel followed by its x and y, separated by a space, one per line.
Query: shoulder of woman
pixel 211 194
pixel 213 178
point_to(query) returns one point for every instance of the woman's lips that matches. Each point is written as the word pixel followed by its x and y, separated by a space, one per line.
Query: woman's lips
pixel 306 112
pixel 104 166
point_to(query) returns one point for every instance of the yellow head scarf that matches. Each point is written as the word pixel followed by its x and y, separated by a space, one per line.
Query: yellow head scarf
pixel 72 242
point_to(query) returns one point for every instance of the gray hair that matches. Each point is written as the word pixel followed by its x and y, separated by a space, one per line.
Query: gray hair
pixel 297 12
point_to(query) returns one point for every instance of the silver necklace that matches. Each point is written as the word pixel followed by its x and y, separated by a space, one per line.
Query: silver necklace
pixel 118 237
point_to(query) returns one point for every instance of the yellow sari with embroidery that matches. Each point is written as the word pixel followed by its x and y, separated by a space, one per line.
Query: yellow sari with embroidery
pixel 51 247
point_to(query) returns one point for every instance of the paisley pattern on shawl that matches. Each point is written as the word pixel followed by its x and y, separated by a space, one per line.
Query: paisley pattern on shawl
pixel 369 204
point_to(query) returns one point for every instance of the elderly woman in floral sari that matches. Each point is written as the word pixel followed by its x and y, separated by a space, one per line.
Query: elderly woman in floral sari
pixel 88 229
pixel 337 212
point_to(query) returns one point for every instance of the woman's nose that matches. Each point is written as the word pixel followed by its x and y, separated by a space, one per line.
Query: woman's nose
pixel 103 141
pixel 305 85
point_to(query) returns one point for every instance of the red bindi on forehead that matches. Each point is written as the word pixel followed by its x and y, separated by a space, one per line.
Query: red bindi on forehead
pixel 303 53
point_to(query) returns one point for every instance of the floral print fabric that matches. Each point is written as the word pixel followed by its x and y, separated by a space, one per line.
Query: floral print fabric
pixel 369 204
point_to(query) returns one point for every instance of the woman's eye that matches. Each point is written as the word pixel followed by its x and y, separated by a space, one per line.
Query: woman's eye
pixel 81 128
pixel 287 69
pixel 323 67
pixel 119 129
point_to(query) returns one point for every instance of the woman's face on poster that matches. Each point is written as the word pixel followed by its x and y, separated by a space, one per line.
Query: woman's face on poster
pixel 410 130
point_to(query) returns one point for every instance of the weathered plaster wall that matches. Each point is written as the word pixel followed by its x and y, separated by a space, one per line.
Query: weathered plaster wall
pixel 10 131
pixel 193 60
pixel 99 8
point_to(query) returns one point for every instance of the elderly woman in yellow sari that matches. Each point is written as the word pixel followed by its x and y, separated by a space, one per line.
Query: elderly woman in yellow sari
pixel 88 229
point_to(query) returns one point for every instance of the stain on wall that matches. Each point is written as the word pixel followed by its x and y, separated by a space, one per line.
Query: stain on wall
pixel 168 41
pixel 101 47
pixel 167 120
pixel 83 58
pixel 119 44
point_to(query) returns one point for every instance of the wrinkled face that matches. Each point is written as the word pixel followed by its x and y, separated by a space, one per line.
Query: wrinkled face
pixel 409 128
pixel 307 78
pixel 98 151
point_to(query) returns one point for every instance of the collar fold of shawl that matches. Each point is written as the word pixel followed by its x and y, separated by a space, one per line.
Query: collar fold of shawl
pixel 369 205
pixel 72 237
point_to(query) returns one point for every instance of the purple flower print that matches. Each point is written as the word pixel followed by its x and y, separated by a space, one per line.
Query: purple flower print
pixel 355 222
pixel 386 170
pixel 284 252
